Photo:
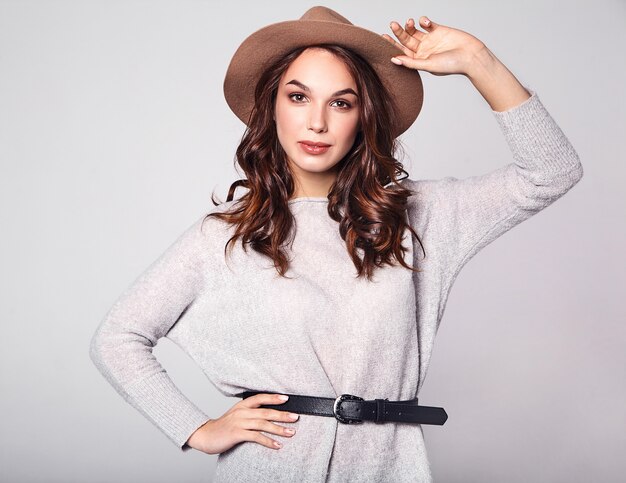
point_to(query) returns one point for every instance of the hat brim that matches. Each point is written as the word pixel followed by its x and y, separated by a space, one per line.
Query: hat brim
pixel 275 40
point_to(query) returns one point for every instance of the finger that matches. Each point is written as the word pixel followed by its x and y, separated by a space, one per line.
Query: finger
pixel 262 398
pixel 258 437
pixel 412 30
pixel 397 44
pixel 410 41
pixel 409 26
pixel 403 37
pixel 268 427
pixel 427 24
pixel 410 62
pixel 274 414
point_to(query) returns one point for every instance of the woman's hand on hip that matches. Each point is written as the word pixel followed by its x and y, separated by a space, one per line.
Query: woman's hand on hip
pixel 243 422
pixel 439 49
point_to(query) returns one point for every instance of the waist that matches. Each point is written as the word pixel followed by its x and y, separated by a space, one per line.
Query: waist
pixel 350 409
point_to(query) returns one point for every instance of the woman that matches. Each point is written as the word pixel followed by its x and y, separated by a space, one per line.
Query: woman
pixel 327 300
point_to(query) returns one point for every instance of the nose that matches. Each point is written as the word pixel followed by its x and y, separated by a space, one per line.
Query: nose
pixel 317 118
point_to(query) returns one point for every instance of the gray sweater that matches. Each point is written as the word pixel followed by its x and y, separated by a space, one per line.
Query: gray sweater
pixel 323 332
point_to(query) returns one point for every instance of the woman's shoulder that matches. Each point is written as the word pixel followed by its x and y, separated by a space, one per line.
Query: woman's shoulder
pixel 423 188
pixel 209 219
pixel 223 206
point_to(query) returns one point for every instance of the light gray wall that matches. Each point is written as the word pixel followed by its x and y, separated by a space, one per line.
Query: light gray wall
pixel 113 134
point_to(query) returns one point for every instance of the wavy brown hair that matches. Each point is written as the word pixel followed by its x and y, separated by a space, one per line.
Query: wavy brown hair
pixel 371 215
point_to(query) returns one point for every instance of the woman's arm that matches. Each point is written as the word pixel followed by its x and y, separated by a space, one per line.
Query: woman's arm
pixel 443 50
pixel 497 84
pixel 121 347
pixel 464 215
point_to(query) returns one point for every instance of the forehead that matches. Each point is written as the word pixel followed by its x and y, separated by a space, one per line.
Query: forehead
pixel 320 67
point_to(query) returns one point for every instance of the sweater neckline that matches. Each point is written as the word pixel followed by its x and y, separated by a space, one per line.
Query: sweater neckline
pixel 319 199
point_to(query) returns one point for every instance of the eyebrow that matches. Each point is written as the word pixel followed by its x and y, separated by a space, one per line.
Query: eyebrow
pixel 338 93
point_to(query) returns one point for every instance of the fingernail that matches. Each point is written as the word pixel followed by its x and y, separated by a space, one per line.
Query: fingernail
pixel 396 61
pixel 283 397
pixel 293 416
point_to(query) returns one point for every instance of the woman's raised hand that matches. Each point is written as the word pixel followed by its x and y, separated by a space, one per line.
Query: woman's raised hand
pixel 243 422
pixel 439 49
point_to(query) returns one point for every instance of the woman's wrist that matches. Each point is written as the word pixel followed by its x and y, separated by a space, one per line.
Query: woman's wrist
pixel 497 84
pixel 193 440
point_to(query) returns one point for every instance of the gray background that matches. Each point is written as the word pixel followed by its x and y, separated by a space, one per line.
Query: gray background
pixel 113 134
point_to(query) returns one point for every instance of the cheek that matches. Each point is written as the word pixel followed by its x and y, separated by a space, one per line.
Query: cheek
pixel 286 120
pixel 349 129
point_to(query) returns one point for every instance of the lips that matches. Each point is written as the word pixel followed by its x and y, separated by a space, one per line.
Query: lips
pixel 311 143
pixel 314 148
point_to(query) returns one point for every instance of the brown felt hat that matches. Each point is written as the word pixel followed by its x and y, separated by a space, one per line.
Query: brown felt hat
pixel 320 25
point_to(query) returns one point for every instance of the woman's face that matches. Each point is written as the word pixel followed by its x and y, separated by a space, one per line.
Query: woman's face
pixel 317 102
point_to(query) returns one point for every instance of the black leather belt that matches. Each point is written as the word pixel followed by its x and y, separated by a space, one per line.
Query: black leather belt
pixel 351 409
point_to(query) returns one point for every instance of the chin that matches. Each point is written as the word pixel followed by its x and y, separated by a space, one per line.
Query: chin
pixel 316 167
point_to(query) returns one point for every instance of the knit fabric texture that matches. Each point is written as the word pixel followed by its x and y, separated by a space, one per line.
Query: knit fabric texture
pixel 323 332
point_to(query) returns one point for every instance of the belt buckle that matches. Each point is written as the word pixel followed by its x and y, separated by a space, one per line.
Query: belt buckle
pixel 338 401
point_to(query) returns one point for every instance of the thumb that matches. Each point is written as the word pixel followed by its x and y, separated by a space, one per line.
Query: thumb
pixel 405 60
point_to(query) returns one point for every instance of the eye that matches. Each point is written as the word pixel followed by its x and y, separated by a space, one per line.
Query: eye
pixel 296 96
pixel 343 104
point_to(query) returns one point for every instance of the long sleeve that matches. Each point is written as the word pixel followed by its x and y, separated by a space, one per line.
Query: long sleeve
pixel 467 214
pixel 121 347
